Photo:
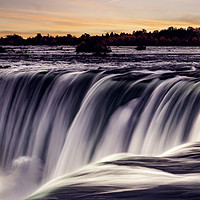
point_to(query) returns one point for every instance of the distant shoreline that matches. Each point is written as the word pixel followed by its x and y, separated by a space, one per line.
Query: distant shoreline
pixel 60 45
pixel 168 37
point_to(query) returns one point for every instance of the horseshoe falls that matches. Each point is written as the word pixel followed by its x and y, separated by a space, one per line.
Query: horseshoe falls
pixel 122 126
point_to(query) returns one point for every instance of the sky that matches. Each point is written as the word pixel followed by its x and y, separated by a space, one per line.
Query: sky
pixel 96 17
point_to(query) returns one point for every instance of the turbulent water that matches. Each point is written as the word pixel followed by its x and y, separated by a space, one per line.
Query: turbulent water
pixel 63 114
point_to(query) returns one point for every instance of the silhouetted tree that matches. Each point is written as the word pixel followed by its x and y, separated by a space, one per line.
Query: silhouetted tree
pixel 171 36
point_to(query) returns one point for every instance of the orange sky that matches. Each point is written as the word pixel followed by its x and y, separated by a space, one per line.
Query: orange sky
pixel 59 17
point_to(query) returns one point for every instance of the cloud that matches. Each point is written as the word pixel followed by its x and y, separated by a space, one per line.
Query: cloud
pixel 191 19
pixel 29 24
pixel 36 5
pixel 92 16
pixel 113 1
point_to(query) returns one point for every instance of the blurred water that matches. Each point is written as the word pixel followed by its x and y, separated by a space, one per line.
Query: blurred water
pixel 61 111
pixel 173 175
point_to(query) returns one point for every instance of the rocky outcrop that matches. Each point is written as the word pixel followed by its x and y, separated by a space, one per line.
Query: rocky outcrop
pixel 2 50
pixel 92 47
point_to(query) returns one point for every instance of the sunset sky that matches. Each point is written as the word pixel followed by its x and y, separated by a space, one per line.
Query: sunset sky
pixel 59 17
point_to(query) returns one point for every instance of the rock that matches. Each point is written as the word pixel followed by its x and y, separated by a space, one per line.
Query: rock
pixel 92 47
pixel 139 48
pixel 2 50
pixel 5 67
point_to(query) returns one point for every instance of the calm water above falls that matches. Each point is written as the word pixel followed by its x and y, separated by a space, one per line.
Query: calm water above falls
pixel 61 111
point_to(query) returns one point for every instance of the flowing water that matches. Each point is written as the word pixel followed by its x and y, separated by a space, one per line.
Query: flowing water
pixel 61 111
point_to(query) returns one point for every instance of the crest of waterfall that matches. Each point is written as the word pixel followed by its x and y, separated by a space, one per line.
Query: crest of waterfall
pixel 60 121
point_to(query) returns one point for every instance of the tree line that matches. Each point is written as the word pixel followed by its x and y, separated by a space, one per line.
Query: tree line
pixel 167 37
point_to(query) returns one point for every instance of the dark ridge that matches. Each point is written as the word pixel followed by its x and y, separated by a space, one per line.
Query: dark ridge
pixel 167 37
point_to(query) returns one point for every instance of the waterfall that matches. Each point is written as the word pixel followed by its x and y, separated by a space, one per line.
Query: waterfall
pixel 54 122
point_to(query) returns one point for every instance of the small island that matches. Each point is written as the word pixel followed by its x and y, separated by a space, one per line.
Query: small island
pixel 140 48
pixel 92 46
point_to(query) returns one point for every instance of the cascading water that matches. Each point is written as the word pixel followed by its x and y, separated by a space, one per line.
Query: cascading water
pixel 62 121
pixel 54 122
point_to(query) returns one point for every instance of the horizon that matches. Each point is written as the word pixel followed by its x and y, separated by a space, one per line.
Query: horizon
pixel 100 34
pixel 94 17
